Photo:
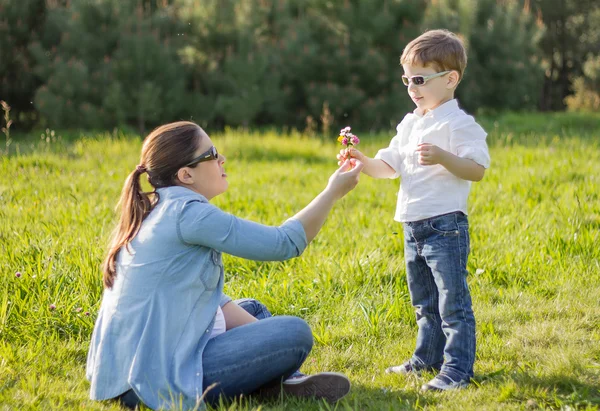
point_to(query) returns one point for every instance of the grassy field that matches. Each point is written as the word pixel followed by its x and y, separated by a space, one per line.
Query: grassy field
pixel 535 266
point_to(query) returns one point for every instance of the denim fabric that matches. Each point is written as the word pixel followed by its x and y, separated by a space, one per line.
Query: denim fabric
pixel 254 355
pixel 154 323
pixel 254 307
pixel 436 251
pixel 248 366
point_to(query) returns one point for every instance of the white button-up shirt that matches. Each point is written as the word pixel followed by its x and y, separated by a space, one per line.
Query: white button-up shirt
pixel 429 191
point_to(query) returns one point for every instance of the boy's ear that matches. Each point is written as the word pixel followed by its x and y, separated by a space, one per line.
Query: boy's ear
pixel 453 79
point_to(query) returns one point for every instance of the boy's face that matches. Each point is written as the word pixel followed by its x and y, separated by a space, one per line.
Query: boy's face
pixel 435 91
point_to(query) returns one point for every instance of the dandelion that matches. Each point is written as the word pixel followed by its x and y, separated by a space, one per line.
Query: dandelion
pixel 18 274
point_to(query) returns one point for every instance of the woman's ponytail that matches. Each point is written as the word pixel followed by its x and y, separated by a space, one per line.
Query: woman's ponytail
pixel 134 205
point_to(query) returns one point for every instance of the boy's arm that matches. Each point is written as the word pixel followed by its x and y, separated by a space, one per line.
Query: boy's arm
pixel 464 168
pixel 374 167
pixel 377 168
pixel 467 140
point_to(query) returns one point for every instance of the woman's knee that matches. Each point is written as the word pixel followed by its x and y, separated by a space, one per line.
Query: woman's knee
pixel 297 332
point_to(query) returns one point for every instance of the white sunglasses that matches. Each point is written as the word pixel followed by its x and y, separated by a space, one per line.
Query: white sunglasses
pixel 420 80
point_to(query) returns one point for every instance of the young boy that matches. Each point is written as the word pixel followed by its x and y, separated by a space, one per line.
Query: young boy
pixel 437 151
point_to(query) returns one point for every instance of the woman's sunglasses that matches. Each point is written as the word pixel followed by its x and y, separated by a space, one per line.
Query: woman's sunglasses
pixel 420 80
pixel 210 154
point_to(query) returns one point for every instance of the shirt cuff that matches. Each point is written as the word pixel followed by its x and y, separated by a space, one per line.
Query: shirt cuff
pixel 387 156
pixel 480 157
pixel 295 231
pixel 224 300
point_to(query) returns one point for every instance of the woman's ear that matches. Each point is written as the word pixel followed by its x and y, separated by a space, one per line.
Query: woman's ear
pixel 453 79
pixel 184 176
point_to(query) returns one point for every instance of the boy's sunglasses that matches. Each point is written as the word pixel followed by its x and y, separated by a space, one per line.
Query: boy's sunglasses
pixel 211 154
pixel 420 80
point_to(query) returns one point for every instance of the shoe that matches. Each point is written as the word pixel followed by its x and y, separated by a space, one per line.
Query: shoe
pixel 409 368
pixel 331 386
pixel 444 383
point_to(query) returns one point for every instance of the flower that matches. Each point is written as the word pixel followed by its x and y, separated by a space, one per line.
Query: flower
pixel 78 309
pixel 87 313
pixel 52 307
pixel 348 139
pixel 18 274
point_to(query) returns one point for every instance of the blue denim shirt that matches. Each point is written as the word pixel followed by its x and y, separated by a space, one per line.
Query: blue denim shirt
pixel 154 323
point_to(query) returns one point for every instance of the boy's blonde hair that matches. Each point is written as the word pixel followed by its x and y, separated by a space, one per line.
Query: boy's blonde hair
pixel 439 48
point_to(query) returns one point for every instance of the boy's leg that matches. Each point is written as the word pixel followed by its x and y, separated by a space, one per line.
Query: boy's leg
pixel 429 348
pixel 446 253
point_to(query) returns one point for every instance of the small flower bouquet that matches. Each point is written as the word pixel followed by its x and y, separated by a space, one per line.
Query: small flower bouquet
pixel 347 138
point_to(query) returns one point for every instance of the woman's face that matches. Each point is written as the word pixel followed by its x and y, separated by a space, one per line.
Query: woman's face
pixel 208 176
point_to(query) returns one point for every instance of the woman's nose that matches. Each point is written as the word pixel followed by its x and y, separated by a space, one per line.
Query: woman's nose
pixel 221 158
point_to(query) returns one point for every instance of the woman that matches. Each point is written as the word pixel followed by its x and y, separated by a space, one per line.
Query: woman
pixel 166 334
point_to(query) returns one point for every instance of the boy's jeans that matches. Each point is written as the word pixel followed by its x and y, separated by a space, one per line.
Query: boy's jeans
pixel 436 251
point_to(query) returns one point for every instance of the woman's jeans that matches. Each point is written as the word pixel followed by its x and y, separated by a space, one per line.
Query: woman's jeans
pixel 248 357
pixel 436 251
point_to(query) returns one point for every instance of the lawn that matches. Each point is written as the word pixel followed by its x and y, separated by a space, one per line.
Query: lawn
pixel 534 266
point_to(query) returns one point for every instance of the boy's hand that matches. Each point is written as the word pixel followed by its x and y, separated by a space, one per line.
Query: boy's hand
pixel 351 153
pixel 430 154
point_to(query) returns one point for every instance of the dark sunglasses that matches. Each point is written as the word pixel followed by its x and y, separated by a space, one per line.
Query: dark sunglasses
pixel 421 80
pixel 211 154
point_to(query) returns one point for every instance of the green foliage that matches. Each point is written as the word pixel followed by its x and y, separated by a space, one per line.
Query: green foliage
pixel 587 89
pixel 504 70
pixel 99 64
pixel 572 33
pixel 534 266
pixel 116 64
pixel 20 25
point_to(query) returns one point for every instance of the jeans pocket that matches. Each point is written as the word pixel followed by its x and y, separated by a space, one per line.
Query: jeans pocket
pixel 445 225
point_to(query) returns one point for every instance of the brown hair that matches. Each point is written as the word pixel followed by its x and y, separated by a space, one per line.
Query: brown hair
pixel 164 152
pixel 439 48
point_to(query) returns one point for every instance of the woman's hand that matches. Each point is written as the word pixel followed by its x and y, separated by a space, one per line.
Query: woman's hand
pixel 345 178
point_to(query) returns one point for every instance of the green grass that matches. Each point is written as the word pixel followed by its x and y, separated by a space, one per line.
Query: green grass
pixel 535 266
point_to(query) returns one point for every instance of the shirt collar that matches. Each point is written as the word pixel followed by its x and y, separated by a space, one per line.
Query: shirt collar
pixel 178 191
pixel 441 111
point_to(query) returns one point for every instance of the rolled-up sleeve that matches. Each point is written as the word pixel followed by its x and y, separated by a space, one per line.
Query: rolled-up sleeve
pixel 224 300
pixel 467 138
pixel 392 154
pixel 204 224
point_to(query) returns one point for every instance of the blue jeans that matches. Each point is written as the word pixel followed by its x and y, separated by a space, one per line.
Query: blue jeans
pixel 251 356
pixel 436 251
